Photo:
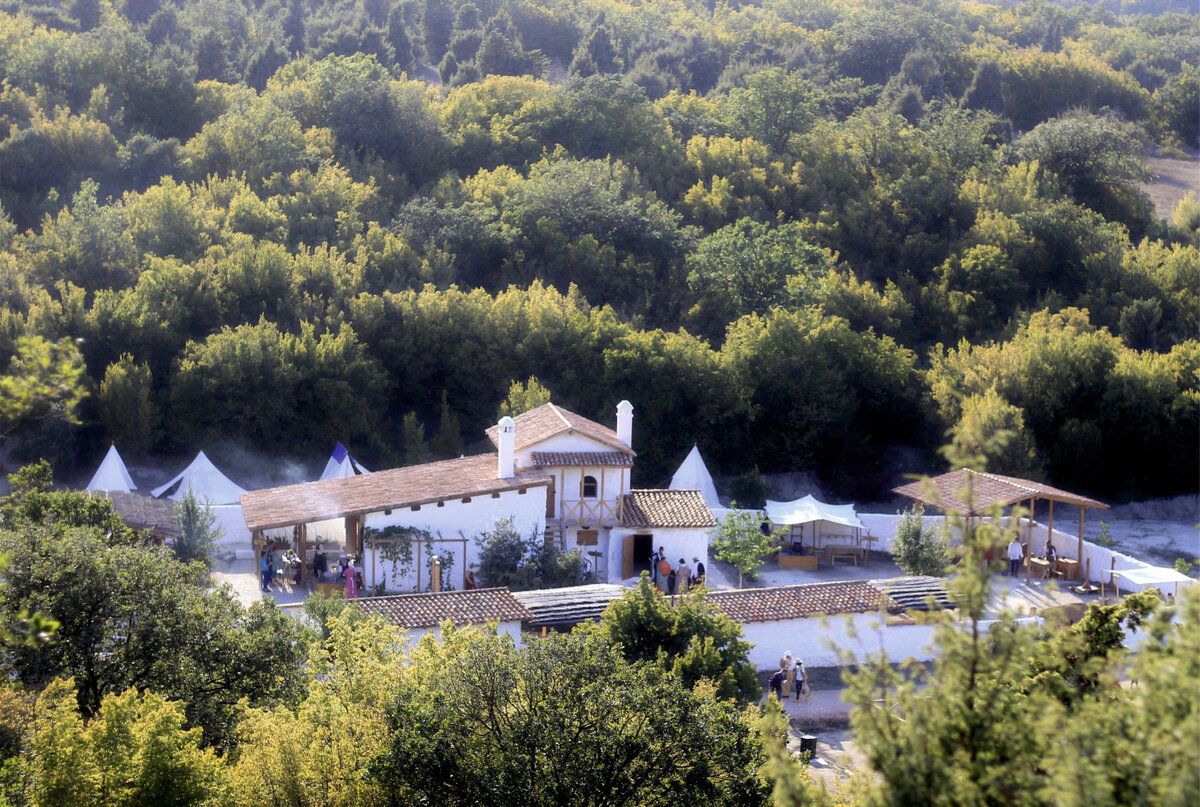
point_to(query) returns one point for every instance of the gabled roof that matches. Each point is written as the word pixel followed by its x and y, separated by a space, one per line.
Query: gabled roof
pixel 382 490
pixel 950 490
pixel 796 602
pixel 112 474
pixel 473 607
pixel 589 459
pixel 665 508
pixel 144 513
pixel 549 420
pixel 204 480
pixel 693 474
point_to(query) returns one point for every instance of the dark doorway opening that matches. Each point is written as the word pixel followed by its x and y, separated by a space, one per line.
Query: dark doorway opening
pixel 643 548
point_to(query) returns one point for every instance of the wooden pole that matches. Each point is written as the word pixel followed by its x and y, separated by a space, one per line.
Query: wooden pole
pixel 1050 526
pixel 1079 555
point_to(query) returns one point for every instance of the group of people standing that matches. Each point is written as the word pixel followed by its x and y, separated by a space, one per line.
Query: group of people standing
pixel 346 570
pixel 791 677
pixel 672 580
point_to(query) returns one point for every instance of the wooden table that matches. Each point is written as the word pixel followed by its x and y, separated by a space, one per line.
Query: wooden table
pixel 843 552
pixel 1041 568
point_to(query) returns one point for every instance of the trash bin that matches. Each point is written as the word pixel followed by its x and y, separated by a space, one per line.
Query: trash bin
pixel 808 745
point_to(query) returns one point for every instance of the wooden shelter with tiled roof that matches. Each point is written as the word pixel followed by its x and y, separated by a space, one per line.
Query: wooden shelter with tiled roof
pixel 971 493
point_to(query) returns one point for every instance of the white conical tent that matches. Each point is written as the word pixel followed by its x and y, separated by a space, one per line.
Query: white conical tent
pixel 341 464
pixel 693 475
pixel 205 481
pixel 112 474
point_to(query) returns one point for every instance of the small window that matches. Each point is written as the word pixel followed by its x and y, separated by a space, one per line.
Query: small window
pixel 589 487
pixel 587 537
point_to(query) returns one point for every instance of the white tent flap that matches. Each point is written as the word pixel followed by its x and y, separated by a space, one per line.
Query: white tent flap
pixel 112 474
pixel 693 475
pixel 802 511
pixel 205 481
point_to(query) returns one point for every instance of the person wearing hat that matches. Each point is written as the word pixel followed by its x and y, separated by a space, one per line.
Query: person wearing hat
pixel 699 576
pixel 800 676
pixel 788 665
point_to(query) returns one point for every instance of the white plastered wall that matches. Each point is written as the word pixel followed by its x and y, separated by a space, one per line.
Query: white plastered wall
pixel 455 520
pixel 679 542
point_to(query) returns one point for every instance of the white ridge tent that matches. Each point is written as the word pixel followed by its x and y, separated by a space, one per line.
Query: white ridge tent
pixel 341 464
pixel 825 519
pixel 112 474
pixel 693 475
pixel 205 481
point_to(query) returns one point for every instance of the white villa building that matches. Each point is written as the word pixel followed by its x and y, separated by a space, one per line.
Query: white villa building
pixel 555 473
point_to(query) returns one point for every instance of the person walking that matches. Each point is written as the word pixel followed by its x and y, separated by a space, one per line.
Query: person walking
pixel 699 576
pixel 800 686
pixel 351 576
pixel 788 663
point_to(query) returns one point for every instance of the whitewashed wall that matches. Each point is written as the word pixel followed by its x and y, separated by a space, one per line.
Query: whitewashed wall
pixel 679 542
pixel 814 639
pixel 528 511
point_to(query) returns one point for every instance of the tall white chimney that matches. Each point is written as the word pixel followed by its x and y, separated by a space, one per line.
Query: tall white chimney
pixel 625 423
pixel 506 467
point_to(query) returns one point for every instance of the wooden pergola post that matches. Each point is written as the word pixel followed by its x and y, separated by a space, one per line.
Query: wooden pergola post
pixel 1079 552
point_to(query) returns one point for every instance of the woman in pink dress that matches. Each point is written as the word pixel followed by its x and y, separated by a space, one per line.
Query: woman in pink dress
pixel 351 582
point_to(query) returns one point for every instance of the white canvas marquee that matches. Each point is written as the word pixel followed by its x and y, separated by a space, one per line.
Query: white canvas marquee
pixel 112 475
pixel 205 481
pixel 693 475
pixel 808 509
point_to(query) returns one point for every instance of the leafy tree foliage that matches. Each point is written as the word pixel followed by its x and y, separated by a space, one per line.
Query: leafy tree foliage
pixel 688 639
pixel 569 721
pixel 740 541
pixel 132 616
pixel 920 550
pixel 198 529
pixel 507 558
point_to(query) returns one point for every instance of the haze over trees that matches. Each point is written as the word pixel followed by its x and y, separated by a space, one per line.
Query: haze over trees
pixel 829 233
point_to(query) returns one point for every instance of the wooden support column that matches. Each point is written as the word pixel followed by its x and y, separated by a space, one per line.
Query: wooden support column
pixel 1050 526
pixel 302 548
pixel 1029 542
pixel 1079 552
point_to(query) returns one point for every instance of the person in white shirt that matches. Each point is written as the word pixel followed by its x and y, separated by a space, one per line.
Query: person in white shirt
pixel 1016 554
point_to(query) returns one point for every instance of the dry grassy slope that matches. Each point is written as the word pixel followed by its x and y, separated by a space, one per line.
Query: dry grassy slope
pixel 1175 179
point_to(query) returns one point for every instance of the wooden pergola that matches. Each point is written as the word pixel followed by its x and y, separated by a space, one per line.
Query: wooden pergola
pixel 973 493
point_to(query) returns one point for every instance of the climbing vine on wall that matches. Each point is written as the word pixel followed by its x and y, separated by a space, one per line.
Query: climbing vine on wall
pixel 395 545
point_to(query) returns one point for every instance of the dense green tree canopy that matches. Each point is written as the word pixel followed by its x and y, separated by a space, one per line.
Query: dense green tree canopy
pixel 582 196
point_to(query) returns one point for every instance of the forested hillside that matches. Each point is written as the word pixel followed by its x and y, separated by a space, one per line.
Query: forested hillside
pixel 806 235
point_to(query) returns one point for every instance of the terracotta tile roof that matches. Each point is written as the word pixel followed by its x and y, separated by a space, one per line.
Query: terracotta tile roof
pixel 382 490
pixel 145 512
pixel 986 491
pixel 796 602
pixel 558 459
pixel 665 508
pixel 549 420
pixel 475 607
